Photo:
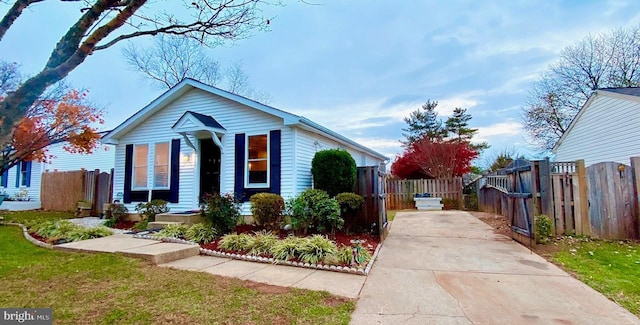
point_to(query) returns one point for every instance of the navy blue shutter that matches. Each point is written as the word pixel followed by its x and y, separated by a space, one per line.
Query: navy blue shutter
pixel 239 170
pixel 175 171
pixel 275 161
pixel 28 174
pixel 18 165
pixel 5 177
pixel 128 170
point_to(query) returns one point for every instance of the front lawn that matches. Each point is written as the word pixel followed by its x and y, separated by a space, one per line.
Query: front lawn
pixel 34 215
pixel 613 268
pixel 111 289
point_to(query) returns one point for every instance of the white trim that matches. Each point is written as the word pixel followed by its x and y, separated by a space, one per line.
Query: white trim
pixel 133 168
pixel 246 161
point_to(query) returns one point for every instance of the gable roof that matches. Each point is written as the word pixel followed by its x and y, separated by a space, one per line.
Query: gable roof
pixel 625 93
pixel 207 120
pixel 189 84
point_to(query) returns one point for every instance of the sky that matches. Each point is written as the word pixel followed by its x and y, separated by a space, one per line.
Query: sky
pixel 359 67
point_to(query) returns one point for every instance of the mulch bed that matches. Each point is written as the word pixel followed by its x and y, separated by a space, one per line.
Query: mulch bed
pixel 125 225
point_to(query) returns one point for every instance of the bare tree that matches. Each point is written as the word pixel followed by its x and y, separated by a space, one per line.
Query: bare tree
pixel 173 58
pixel 100 27
pixel 9 77
pixel 610 59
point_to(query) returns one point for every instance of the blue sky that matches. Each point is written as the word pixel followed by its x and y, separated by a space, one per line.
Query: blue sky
pixel 359 67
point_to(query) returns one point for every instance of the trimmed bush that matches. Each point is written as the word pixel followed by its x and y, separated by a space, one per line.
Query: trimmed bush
pixel 201 233
pixel 222 211
pixel 149 210
pixel 314 208
pixel 334 171
pixel 267 210
pixel 350 203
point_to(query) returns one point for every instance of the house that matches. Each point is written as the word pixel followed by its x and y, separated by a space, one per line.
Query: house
pixel 22 182
pixel 607 128
pixel 196 139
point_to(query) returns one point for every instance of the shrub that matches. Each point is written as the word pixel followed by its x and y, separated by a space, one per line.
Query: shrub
pixel 109 223
pixel 543 228
pixel 141 225
pixel 287 248
pixel 334 171
pixel 172 231
pixel 263 243
pixel 349 205
pixel 149 210
pixel 316 249
pixel 118 212
pixel 236 242
pixel 201 233
pixel 267 210
pixel 314 208
pixel 223 211
pixel 451 204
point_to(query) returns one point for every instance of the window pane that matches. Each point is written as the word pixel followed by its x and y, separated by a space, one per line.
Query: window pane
pixel 140 176
pixel 258 146
pixel 161 165
pixel 258 171
pixel 140 156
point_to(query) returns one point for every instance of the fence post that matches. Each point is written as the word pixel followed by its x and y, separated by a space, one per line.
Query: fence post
pixel 635 175
pixel 581 169
pixel 546 192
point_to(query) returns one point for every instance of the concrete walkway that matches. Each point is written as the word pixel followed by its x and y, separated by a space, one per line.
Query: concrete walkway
pixel 185 257
pixel 447 267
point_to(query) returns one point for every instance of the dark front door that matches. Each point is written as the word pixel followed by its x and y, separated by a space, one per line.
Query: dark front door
pixel 209 167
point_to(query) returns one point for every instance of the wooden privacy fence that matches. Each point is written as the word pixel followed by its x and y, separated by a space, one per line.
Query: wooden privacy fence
pixel 400 193
pixel 61 191
pixel 599 201
pixel 370 185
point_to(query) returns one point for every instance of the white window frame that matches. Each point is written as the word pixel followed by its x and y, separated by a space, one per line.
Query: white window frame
pixel 168 167
pixel 246 162
pixel 133 167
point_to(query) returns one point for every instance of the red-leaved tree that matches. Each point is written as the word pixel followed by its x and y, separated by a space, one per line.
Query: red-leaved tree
pixel 68 120
pixel 435 158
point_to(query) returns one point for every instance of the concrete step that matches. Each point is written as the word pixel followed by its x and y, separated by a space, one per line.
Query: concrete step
pixel 159 253
pixel 185 218
pixel 156 225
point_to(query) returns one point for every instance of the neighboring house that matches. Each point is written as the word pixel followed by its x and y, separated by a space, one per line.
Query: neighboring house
pixel 196 139
pixel 607 128
pixel 22 182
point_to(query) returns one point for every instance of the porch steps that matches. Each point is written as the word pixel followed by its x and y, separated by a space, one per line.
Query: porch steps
pixel 157 225
pixel 186 218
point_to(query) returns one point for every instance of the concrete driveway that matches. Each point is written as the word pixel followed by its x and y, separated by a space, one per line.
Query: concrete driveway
pixel 447 267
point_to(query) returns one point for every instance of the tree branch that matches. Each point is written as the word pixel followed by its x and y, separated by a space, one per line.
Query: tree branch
pixel 14 12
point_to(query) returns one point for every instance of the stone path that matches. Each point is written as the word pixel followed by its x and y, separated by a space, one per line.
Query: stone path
pixel 448 267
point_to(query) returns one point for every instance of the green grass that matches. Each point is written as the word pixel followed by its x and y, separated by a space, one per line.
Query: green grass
pixel 613 268
pixel 391 214
pixel 112 289
pixel 21 216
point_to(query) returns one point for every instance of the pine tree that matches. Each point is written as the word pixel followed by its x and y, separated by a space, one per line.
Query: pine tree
pixel 457 127
pixel 423 122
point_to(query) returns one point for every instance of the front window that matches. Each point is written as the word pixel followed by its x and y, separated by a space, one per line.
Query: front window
pixel 140 157
pixel 258 160
pixel 24 173
pixel 161 165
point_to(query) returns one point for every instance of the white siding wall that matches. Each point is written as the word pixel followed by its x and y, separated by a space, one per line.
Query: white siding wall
pixel 608 130
pixel 234 117
pixel 102 158
pixel 33 191
pixel 307 144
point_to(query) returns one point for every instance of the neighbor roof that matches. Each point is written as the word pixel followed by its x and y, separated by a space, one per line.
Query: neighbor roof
pixel 188 84
pixel 632 91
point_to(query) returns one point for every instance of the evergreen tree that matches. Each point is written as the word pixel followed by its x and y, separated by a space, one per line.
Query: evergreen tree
pixel 457 127
pixel 423 123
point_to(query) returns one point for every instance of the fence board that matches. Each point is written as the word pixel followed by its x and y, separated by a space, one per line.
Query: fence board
pixel 61 191
pixel 400 193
